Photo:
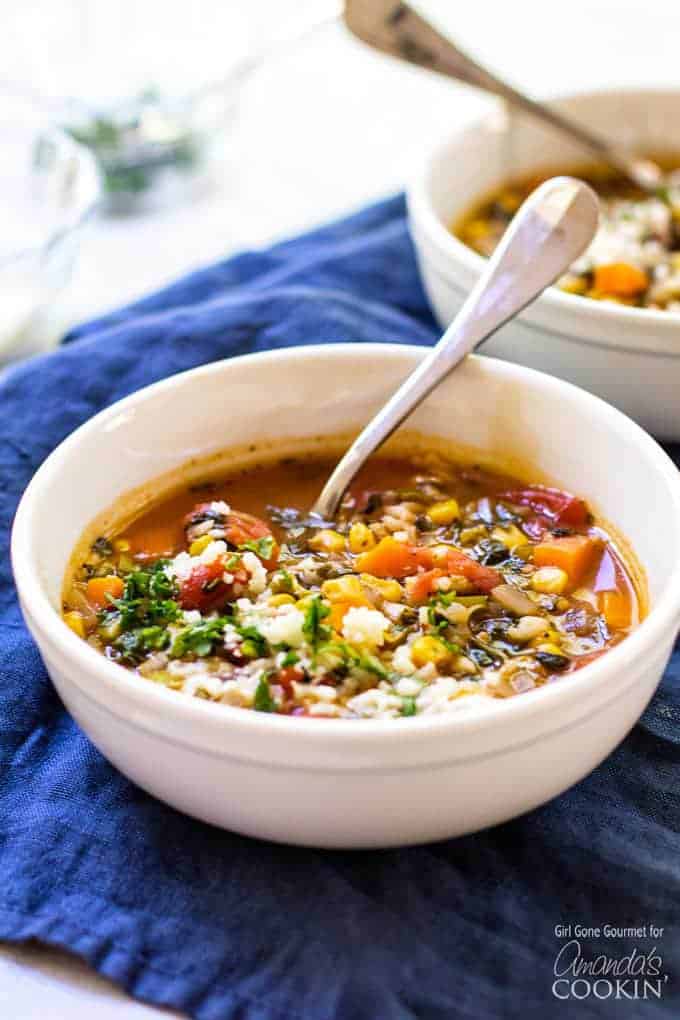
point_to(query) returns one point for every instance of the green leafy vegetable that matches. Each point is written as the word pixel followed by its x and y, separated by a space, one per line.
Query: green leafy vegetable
pixel 409 706
pixel 133 645
pixel 263 698
pixel 313 628
pixel 289 659
pixel 254 643
pixel 148 599
pixel 199 638
pixel 262 547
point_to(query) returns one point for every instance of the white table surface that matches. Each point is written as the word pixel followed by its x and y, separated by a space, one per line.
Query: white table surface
pixel 322 129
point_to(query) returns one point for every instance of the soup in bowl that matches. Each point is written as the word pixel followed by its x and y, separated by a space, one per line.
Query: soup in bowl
pixel 525 587
pixel 438 587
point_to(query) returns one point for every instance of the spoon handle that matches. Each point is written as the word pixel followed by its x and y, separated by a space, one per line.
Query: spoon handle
pixel 553 227
pixel 395 28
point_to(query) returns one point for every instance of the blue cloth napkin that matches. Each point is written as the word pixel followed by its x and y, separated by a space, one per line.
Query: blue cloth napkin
pixel 221 926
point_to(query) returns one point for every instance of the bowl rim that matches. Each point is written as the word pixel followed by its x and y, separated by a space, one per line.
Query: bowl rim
pixel 504 717
pixel 450 247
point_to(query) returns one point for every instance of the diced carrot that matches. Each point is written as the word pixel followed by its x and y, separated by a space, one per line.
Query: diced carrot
pixel 100 590
pixel 620 279
pixel 573 553
pixel 338 610
pixel 616 609
pixel 390 558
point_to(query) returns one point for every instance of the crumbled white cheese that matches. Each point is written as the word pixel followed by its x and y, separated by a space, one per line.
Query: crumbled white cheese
pixel 323 709
pixel 402 661
pixel 214 551
pixel 285 628
pixel 181 566
pixel 407 687
pixel 218 506
pixel 449 695
pixel 322 692
pixel 362 626
pixel 192 616
pixel 376 703
pixel 258 575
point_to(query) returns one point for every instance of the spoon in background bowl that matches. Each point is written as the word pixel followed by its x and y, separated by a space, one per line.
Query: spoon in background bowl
pixel 395 28
pixel 552 227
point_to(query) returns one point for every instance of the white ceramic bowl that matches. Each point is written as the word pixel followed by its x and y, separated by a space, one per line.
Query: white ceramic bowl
pixel 629 356
pixel 357 783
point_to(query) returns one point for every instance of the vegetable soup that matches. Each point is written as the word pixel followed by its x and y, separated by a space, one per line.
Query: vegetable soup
pixel 439 586
pixel 634 258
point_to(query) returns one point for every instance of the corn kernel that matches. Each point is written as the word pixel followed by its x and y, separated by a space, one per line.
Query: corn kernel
pixel 328 541
pixel 75 621
pixel 510 537
pixel 361 538
pixel 197 547
pixel 121 545
pixel 550 648
pixel 573 284
pixel 549 580
pixel 547 636
pixel 392 591
pixel 429 649
pixel 445 512
pixel 342 589
pixel 281 600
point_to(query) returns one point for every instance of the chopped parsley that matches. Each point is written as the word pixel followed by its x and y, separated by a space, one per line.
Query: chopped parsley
pixel 133 645
pixel 254 643
pixel 409 706
pixel 263 696
pixel 313 628
pixel 262 547
pixel 199 638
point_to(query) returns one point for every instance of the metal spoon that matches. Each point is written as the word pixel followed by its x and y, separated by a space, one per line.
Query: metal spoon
pixel 550 230
pixel 395 28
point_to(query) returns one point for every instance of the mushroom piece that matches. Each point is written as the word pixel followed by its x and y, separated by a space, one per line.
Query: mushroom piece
pixel 514 600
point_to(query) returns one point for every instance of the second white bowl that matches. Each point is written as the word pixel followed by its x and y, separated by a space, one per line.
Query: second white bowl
pixel 629 356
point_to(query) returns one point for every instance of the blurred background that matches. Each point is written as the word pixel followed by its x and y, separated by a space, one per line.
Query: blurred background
pixel 222 125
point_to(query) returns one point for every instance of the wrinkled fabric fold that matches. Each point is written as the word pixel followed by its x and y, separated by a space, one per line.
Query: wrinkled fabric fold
pixel 226 928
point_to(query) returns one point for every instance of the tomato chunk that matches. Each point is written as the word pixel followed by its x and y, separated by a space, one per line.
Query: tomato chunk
pixel 242 528
pixel 391 558
pixel 421 586
pixel 239 529
pixel 483 578
pixel 558 506
pixel 205 588
pixel 288 676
